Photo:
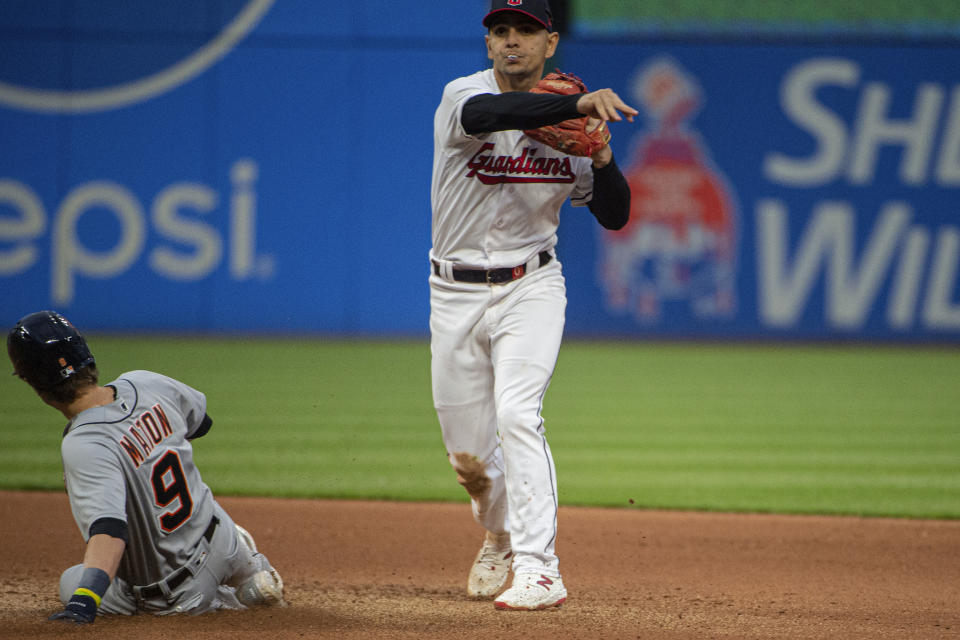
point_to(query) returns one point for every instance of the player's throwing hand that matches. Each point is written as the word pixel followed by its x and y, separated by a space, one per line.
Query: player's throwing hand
pixel 606 105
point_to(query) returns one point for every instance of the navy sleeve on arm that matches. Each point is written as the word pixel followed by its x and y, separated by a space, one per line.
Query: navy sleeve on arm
pixel 112 527
pixel 203 428
pixel 516 110
pixel 610 204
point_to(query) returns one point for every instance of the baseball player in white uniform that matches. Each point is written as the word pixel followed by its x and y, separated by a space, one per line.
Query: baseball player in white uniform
pixel 497 293
pixel 156 539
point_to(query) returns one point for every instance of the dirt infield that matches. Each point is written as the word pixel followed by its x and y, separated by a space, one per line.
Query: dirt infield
pixel 396 570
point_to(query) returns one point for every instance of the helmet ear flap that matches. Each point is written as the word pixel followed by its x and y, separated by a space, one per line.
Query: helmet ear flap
pixel 46 349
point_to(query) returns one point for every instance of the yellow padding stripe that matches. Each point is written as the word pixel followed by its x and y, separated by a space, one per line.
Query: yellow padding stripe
pixel 86 592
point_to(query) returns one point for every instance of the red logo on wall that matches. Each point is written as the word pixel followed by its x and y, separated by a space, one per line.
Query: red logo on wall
pixel 679 248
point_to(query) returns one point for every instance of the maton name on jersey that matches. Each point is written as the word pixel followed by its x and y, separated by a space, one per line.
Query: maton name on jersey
pixel 146 433
pixel 491 169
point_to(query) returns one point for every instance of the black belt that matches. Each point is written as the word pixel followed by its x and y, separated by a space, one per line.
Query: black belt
pixel 493 276
pixel 178 577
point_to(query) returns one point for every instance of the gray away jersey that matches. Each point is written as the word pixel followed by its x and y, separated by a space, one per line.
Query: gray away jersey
pixel 131 460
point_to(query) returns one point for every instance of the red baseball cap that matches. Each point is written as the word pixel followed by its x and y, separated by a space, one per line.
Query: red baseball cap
pixel 539 10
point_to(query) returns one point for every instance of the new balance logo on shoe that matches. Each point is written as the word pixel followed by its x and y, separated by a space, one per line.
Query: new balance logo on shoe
pixel 532 591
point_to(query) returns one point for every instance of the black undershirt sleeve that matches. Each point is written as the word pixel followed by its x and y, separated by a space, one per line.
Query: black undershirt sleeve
pixel 204 427
pixel 112 527
pixel 610 203
pixel 516 110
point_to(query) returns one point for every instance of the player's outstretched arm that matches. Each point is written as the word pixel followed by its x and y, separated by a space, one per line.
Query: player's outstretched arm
pixel 488 112
pixel 606 105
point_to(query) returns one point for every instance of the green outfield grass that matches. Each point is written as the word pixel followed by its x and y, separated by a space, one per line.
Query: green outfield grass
pixel 793 429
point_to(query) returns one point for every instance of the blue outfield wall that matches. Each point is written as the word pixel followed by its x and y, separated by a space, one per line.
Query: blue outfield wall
pixel 264 166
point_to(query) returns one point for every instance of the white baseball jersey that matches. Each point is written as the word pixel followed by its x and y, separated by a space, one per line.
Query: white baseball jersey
pixel 496 196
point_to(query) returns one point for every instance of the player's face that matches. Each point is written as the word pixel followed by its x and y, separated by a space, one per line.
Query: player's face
pixel 519 46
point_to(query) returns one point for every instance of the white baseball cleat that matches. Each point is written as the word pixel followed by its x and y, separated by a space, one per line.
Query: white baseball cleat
pixel 491 566
pixel 532 591
pixel 265 588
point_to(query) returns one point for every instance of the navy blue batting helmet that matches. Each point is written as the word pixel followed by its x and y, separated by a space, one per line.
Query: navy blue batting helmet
pixel 46 349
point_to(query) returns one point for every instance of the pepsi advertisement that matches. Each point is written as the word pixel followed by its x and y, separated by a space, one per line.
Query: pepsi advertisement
pixel 264 167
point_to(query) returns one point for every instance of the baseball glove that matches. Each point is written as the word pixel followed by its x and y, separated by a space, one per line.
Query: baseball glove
pixel 575 137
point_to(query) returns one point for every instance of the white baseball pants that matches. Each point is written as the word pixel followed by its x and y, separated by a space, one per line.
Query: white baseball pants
pixel 494 349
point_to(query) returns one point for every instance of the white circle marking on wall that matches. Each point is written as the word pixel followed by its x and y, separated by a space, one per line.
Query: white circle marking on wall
pixel 90 100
